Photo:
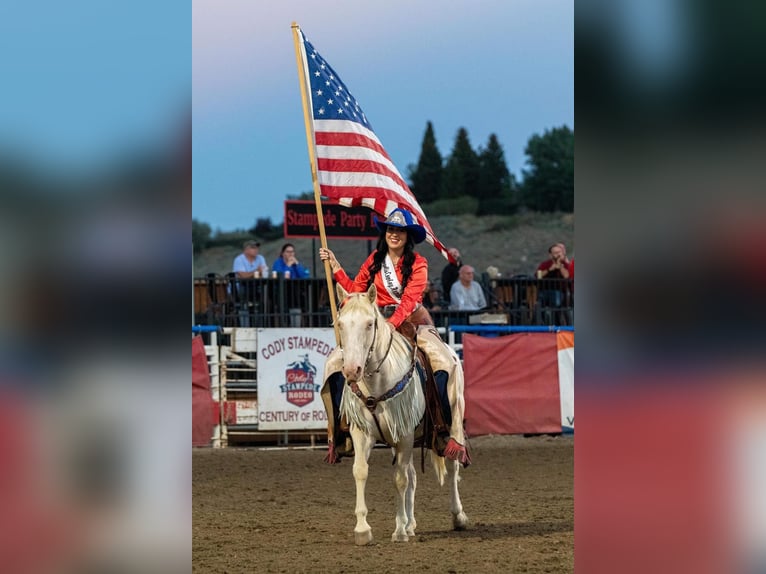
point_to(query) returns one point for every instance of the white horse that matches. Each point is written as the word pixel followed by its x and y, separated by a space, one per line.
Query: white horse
pixel 383 400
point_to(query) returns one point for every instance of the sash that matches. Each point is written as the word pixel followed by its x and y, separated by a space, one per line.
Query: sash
pixel 390 280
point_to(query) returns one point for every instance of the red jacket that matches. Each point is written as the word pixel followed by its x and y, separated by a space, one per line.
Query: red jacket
pixel 413 293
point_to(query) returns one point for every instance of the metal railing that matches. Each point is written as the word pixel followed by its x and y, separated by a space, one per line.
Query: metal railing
pixel 227 301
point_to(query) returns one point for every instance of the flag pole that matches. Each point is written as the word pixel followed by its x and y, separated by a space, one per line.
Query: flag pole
pixel 314 178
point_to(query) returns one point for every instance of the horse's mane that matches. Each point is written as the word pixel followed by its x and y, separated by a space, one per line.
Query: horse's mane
pixel 403 410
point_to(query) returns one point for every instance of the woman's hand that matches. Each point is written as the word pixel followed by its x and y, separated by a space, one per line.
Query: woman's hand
pixel 327 255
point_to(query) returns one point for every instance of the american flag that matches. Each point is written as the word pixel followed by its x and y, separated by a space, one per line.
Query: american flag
pixel 352 166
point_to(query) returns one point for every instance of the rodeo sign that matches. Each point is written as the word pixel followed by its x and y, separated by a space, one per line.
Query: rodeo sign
pixel 290 367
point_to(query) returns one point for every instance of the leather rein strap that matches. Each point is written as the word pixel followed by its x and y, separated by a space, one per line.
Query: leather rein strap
pixel 370 401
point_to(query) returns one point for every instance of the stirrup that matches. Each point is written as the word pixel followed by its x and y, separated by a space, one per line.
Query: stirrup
pixel 336 453
pixel 440 442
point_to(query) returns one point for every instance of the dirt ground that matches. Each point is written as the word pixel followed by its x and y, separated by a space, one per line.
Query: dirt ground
pixel 258 510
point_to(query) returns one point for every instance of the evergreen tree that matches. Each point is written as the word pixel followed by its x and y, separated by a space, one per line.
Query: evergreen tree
pixel 549 183
pixel 461 174
pixel 426 178
pixel 265 229
pixel 200 235
pixel 496 187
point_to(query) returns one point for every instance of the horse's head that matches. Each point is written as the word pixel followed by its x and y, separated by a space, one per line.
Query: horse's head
pixel 358 324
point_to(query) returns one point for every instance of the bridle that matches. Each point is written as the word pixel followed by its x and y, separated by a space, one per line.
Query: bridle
pixel 372 346
pixel 372 402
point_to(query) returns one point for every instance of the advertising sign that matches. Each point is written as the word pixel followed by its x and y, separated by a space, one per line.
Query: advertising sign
pixel 341 222
pixel 290 367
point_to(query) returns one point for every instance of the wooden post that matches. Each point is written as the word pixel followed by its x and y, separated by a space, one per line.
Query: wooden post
pixel 314 179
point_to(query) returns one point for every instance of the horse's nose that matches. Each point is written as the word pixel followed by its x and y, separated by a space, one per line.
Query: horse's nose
pixel 352 372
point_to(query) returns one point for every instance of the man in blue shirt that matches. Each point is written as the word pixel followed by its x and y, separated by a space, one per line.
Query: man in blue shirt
pixel 288 262
pixel 250 263
pixel 247 265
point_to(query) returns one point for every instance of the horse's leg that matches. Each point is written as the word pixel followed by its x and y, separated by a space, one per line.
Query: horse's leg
pixel 362 448
pixel 459 518
pixel 402 481
pixel 410 498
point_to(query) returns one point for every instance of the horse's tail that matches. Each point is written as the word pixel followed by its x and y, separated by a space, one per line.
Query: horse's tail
pixel 439 467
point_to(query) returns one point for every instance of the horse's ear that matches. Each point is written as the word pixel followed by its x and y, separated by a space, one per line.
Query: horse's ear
pixel 341 292
pixel 372 293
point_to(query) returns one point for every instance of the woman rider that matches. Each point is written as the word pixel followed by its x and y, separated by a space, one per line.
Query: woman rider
pixel 400 276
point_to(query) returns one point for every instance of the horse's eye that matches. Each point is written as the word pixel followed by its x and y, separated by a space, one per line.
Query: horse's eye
pixel 369 325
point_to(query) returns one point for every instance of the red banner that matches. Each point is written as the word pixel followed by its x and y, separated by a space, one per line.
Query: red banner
pixel 202 401
pixel 511 384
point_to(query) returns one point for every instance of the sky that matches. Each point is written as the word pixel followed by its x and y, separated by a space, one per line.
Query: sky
pixel 87 82
pixel 497 66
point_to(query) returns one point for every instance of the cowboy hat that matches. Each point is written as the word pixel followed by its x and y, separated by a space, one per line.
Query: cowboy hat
pixel 400 217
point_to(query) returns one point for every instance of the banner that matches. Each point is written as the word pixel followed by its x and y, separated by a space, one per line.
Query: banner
pixel 290 367
pixel 511 384
pixel 203 407
pixel 565 344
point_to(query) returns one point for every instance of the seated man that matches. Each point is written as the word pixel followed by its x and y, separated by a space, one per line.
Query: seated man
pixel 466 294
pixel 432 298
pixel 557 267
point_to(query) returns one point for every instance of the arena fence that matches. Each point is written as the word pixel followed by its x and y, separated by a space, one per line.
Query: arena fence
pixel 264 382
pixel 227 301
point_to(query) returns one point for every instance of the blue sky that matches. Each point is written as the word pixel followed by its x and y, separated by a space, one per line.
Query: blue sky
pixel 85 82
pixel 497 66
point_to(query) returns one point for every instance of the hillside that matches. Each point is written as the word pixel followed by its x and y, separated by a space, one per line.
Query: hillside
pixel 514 244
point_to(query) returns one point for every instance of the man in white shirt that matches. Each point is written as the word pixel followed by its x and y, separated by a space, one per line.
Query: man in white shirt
pixel 466 294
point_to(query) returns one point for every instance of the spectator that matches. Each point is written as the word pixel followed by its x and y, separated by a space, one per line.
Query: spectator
pixel 557 267
pixel 247 265
pixel 566 259
pixel 250 263
pixel 466 294
pixel 432 298
pixel 450 273
pixel 288 262
pixel 569 262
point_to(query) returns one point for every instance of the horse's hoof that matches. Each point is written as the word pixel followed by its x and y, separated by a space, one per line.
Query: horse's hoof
pixel 410 532
pixel 363 538
pixel 399 537
pixel 459 521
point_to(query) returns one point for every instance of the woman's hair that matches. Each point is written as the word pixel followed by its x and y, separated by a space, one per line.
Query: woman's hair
pixel 285 246
pixel 381 250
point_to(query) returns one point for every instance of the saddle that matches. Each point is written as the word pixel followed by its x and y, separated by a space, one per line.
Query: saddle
pixel 433 431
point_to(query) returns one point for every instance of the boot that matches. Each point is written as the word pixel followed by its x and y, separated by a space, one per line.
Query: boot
pixel 448 375
pixel 339 442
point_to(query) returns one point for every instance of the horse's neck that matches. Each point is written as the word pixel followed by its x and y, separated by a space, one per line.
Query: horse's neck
pixel 394 362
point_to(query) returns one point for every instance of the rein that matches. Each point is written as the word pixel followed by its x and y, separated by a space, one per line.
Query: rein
pixel 369 353
pixel 371 402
